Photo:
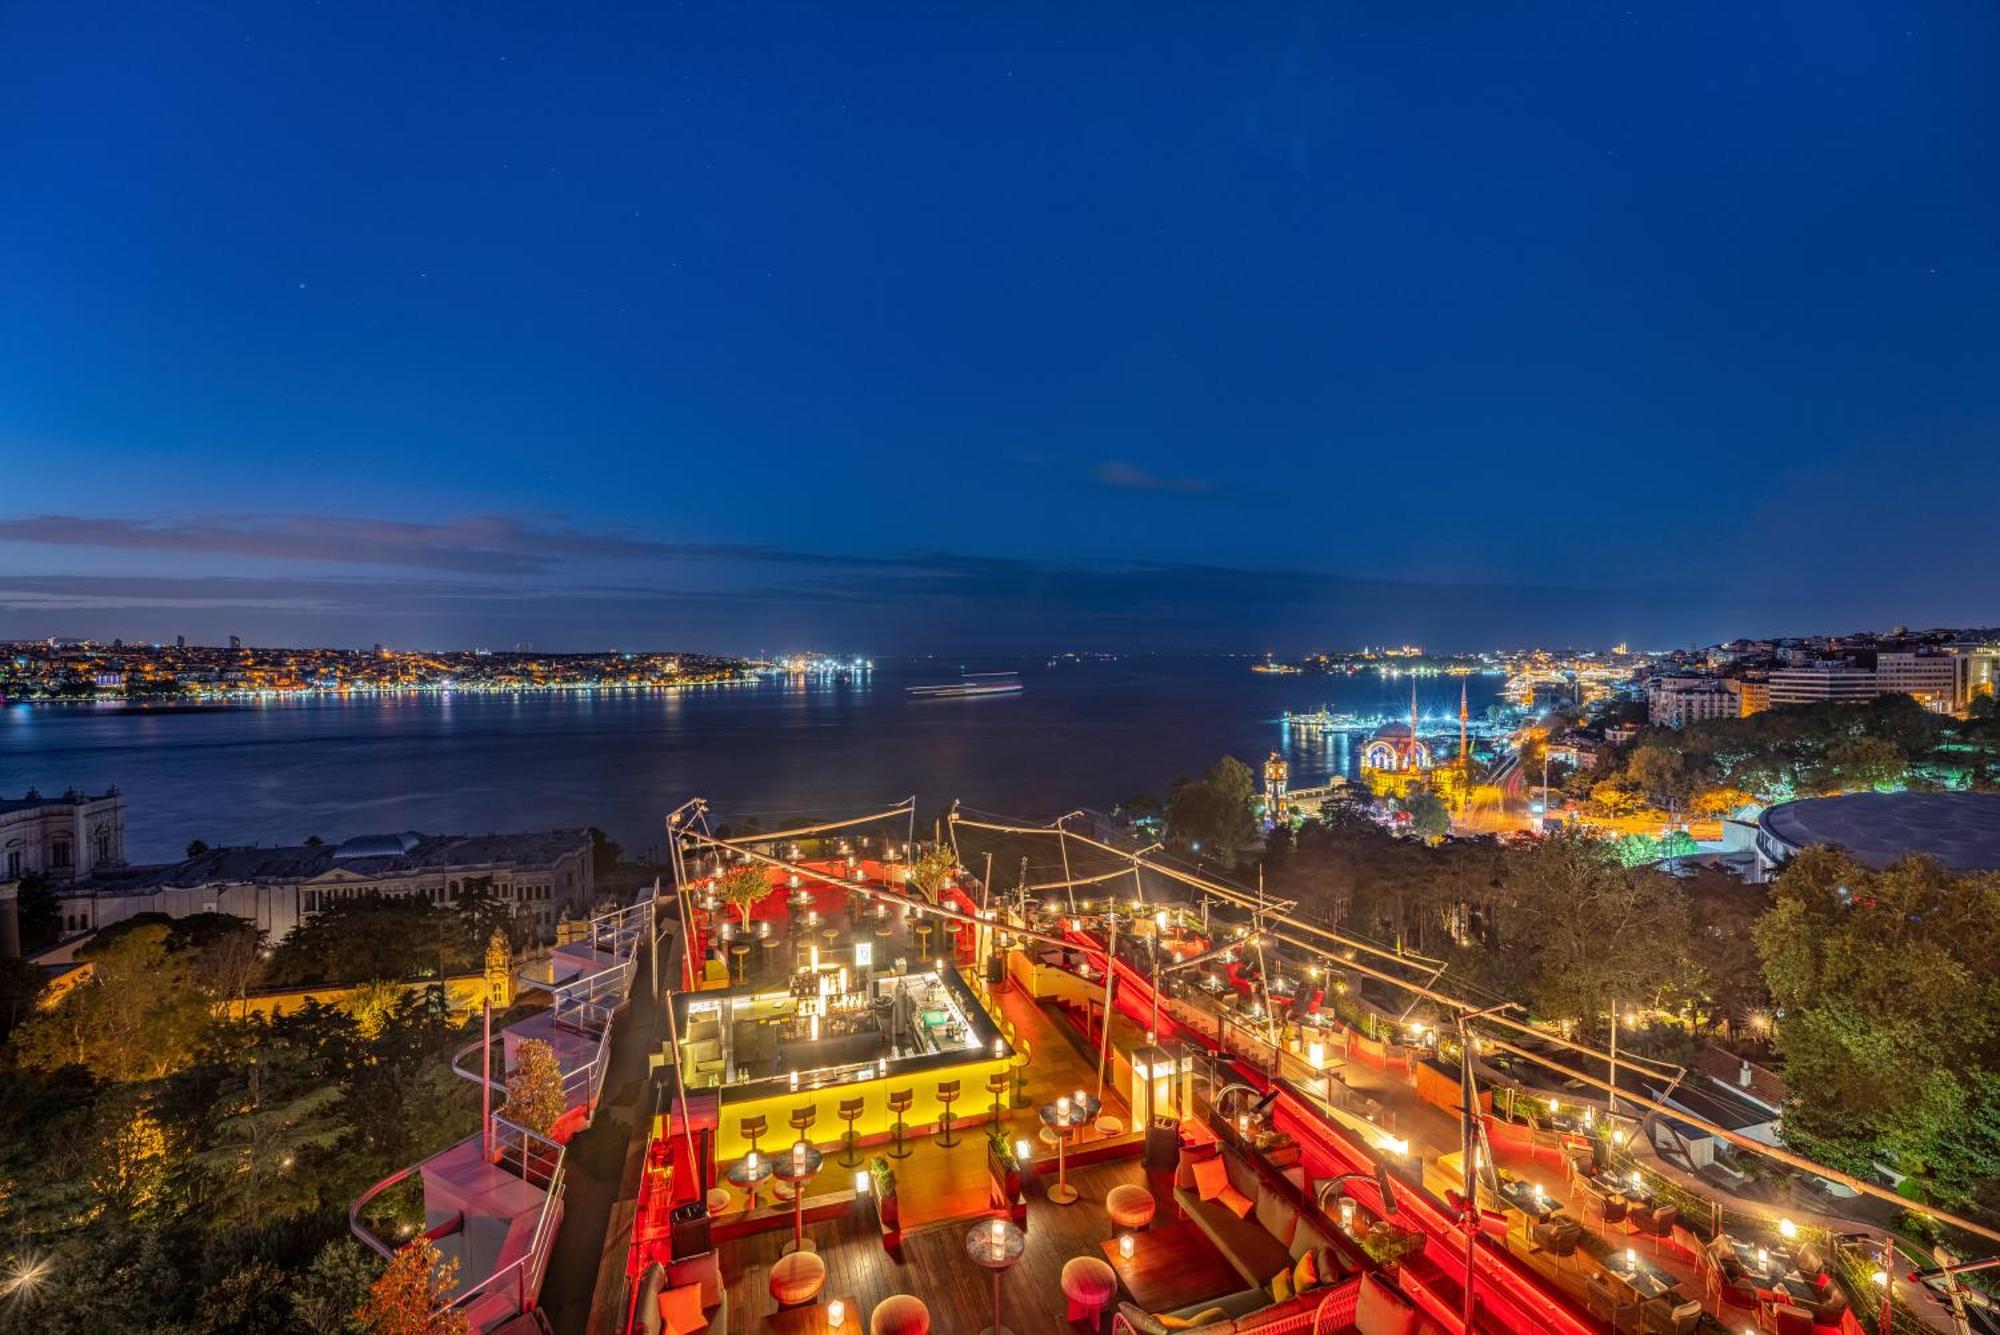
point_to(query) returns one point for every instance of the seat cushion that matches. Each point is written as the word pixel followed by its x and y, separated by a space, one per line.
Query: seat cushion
pixel 704 1270
pixel 1129 1206
pixel 1088 1279
pixel 1253 1253
pixel 1236 1202
pixel 1378 1311
pixel 900 1314
pixel 1211 1176
pixel 1276 1217
pixel 797 1278
pixel 680 1311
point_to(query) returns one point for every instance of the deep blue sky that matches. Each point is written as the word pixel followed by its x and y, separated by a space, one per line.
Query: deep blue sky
pixel 883 327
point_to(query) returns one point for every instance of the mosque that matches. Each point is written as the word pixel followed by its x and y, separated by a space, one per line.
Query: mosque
pixel 1396 758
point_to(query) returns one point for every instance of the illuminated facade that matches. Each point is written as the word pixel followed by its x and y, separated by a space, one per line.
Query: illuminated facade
pixel 1276 771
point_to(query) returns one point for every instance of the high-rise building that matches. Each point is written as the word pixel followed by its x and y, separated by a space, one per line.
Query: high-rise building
pixel 1930 679
pixel 1673 702
pixel 1817 685
pixel 235 643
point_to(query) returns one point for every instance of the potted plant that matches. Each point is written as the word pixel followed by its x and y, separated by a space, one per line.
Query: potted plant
pixel 1387 1244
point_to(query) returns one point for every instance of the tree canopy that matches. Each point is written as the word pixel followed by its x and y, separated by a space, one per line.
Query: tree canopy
pixel 1891 1029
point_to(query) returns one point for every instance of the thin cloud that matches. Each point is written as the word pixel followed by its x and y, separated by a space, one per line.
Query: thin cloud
pixel 475 544
pixel 1122 476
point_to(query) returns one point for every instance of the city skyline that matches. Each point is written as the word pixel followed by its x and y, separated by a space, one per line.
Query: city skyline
pixel 928 333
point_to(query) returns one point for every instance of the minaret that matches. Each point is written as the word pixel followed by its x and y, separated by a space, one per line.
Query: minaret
pixel 1413 723
pixel 1464 756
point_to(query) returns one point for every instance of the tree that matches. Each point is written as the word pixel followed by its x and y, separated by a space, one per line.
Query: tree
pixel 1429 820
pixel 1589 932
pixel 371 1003
pixel 1212 816
pixel 21 988
pixel 534 1088
pixel 1889 996
pixel 413 1295
pixel 933 870
pixel 258 1145
pixel 37 912
pixel 137 1017
pixel 1864 763
pixel 327 1298
pixel 196 847
pixel 742 888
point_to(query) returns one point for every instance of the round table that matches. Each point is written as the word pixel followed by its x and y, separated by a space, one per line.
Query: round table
pixel 747 1175
pixel 798 1169
pixel 979 1246
pixel 1080 1113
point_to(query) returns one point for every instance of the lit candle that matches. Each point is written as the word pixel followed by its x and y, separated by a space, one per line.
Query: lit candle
pixel 1078 1099
pixel 795 1079
pixel 861 1183
pixel 999 1235
pixel 1125 1245
pixel 1787 1229
pixel 999 1047
pixel 1631 1259
pixel 799 1156
pixel 836 1313
pixel 1022 1151
pixel 1062 1108
pixel 1346 1212
pixel 751 1161
pixel 1637 1181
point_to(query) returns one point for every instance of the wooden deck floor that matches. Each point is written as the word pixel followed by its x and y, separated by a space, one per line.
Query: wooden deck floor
pixel 934 1266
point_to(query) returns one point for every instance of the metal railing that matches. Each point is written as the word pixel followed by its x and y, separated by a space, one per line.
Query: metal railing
pixel 585 1004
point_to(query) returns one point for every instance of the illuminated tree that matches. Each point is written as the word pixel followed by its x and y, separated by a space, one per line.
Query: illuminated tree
pixel 741 888
pixel 137 1017
pixel 413 1295
pixel 933 871
pixel 534 1088
pixel 371 1004
pixel 1430 819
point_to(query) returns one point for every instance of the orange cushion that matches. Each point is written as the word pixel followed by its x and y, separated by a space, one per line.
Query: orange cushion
pixel 680 1311
pixel 1378 1311
pixel 1211 1177
pixel 1281 1285
pixel 1306 1273
pixel 1239 1204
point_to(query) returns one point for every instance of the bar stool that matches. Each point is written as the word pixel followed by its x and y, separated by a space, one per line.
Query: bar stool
pixel 1020 1064
pixel 850 1109
pixel 802 1120
pixel 947 1094
pixel 751 1128
pixel 924 939
pixel 899 1103
pixel 998 1085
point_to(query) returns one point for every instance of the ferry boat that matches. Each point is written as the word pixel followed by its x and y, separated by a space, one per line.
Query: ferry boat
pixel 969 684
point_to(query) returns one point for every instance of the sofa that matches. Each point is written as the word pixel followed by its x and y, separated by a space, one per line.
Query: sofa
pixel 1362 1305
pixel 660 1312
pixel 1267 1239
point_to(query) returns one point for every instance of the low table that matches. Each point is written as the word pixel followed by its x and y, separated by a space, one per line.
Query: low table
pixel 1640 1275
pixel 1172 1266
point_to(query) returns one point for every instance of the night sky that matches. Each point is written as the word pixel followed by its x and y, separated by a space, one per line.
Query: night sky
pixel 884 327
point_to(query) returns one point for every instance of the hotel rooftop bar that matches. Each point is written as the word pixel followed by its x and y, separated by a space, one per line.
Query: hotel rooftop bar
pixel 896 1097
